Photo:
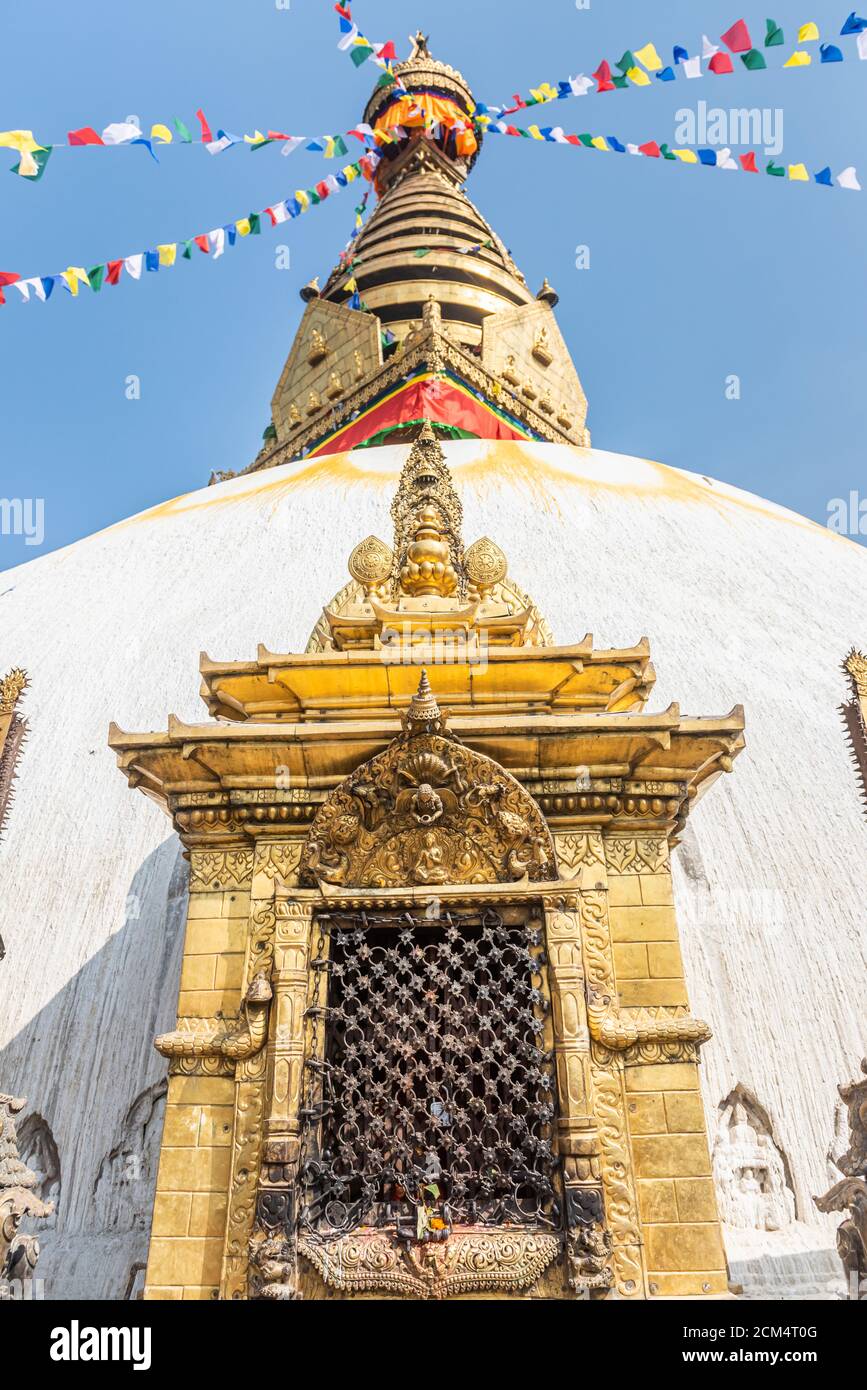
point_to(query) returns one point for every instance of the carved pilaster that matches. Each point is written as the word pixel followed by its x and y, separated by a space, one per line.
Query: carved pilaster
pixel 269 860
pixel 609 1104
pixel 588 1242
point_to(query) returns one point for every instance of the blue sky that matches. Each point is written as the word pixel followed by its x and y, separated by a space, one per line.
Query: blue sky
pixel 694 275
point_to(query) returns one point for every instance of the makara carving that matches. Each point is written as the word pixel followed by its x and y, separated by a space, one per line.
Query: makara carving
pixel 214 1038
pixel 427 811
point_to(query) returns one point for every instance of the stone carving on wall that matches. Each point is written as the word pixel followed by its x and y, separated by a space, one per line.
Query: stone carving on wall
pixel 750 1172
pixel 19 1201
pixel 850 1194
pixel 38 1150
pixel 126 1174
pixel 427 811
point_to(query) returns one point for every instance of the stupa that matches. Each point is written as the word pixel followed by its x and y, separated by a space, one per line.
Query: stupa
pixel 434 908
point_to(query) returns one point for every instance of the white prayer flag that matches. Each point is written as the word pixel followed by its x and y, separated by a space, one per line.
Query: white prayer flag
pixel 217 239
pixel 119 132
pixel 133 264
pixel 692 67
pixel 849 179
pixel 708 49
pixel 348 39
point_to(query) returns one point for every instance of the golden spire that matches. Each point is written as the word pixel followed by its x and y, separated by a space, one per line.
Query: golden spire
pixel 424 715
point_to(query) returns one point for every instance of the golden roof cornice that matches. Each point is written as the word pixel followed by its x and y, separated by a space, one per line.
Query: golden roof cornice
pixel 280 686
pixel 229 783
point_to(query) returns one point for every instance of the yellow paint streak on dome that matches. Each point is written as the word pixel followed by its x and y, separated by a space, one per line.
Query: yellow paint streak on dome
pixel 547 472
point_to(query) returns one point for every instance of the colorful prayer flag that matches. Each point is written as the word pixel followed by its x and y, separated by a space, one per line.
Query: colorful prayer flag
pixel 737 38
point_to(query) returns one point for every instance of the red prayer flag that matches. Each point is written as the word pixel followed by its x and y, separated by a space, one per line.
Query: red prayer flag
pixel 202 242
pixel 603 77
pixel 344 10
pixel 720 63
pixel 738 38
pixel 8 277
pixel 387 50
pixel 572 140
pixel 651 149
pixel 748 162
pixel 113 270
pixel 322 189
pixel 86 136
pixel 207 137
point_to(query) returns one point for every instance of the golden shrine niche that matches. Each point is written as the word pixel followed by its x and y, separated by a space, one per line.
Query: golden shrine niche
pixel 433 1035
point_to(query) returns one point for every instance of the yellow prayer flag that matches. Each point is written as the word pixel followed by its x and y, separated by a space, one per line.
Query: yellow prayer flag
pixel 242 226
pixel 543 93
pixel 798 60
pixel 808 33
pixel 302 198
pixel 257 138
pixel 329 147
pixel 688 156
pixel 649 57
pixel 535 132
pixel 168 252
pixel 598 142
pixel 73 275
pixel 161 133
pixel 638 76
pixel 351 173
pixel 798 172
pixel 20 140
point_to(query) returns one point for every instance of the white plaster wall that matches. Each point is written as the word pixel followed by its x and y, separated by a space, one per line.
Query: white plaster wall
pixel 743 602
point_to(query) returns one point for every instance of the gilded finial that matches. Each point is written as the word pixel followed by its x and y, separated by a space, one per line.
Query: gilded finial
pixel 548 294
pixel 424 715
pixel 419 43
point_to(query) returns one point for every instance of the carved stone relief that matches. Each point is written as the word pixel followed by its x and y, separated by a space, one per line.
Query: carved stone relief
pixel 750 1171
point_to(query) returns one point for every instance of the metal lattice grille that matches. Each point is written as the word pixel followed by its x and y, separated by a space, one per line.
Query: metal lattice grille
pixel 432 1100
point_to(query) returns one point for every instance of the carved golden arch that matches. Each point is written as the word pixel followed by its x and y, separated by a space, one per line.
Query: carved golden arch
pixel 426 812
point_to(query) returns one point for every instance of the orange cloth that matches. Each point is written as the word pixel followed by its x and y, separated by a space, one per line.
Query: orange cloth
pixel 426 109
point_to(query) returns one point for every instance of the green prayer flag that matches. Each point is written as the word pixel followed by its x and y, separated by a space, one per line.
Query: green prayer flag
pixel 666 152
pixel 184 134
pixel 41 158
pixel 255 224
pixel 619 81
pixel 774 36
pixel 360 54
pixel 627 61
pixel 187 252
pixel 422 251
pixel 753 61
pixel 340 145
pixel 96 277
pixel 586 140
pixel 313 196
pixel 776 170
